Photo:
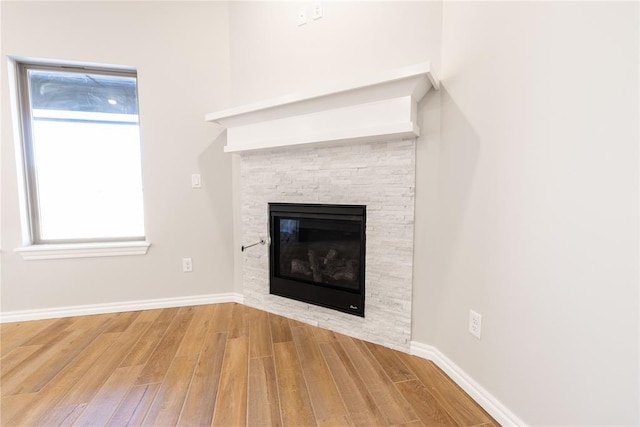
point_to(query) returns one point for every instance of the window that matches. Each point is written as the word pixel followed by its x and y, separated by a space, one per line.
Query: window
pixel 82 154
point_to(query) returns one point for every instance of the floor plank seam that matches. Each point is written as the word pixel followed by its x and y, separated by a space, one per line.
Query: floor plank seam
pixel 304 375
pixel 155 347
pixel 193 374
pixel 275 369
pixel 224 357
pixel 333 378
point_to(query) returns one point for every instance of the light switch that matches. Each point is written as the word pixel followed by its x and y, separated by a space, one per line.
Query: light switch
pixel 195 181
pixel 302 16
pixel 317 9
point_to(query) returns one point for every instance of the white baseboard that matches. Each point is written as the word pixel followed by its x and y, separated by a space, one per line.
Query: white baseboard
pixel 485 399
pixel 83 310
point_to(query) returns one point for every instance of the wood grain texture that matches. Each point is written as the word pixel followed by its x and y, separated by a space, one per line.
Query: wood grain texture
pixel 457 404
pixel 16 334
pixel 263 401
pixel 260 334
pixel 45 401
pixel 423 403
pixel 294 397
pixel 50 332
pixel 22 378
pixel 167 405
pixel 160 360
pixel 359 402
pixel 201 398
pixel 280 330
pixel 325 398
pixel 148 342
pixel 197 332
pixel 101 408
pixel 133 408
pixel 222 365
pixel 231 405
pixel 12 407
pixel 15 357
pixel 388 359
pixel 58 356
pixel 394 408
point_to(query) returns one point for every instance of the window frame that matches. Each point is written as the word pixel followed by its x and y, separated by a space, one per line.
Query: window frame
pixel 30 189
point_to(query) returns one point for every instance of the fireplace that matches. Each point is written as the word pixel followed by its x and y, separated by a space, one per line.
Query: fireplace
pixel 352 142
pixel 317 254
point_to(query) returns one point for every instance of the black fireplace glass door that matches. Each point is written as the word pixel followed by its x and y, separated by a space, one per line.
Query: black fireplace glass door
pixel 324 252
pixel 317 254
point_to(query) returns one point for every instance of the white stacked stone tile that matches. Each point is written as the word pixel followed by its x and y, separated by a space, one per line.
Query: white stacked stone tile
pixel 378 175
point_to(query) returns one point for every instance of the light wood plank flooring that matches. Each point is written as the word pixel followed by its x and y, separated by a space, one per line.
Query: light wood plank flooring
pixel 220 365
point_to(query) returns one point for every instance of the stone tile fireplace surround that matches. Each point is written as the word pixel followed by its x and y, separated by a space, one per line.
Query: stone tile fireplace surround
pixel 380 175
pixel 349 144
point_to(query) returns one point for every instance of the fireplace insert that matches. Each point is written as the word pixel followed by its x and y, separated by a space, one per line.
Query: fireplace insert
pixel 317 254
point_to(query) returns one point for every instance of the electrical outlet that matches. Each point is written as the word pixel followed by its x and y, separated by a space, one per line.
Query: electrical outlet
pixel 475 324
pixel 187 265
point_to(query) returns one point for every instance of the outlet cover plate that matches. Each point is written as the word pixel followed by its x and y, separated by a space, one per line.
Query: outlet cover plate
pixel 302 16
pixel 475 324
pixel 196 181
pixel 187 265
pixel 317 9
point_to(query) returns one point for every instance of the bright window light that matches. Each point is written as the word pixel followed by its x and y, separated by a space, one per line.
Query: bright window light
pixel 82 154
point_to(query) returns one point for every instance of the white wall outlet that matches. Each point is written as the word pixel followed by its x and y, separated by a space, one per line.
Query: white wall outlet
pixel 302 16
pixel 187 265
pixel 475 324
pixel 196 182
pixel 317 9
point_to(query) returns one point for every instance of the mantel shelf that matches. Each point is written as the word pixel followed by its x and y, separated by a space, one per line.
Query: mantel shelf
pixel 379 107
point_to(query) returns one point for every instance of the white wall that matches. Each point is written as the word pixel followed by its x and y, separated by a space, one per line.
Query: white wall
pixel 535 220
pixel 181 52
pixel 271 56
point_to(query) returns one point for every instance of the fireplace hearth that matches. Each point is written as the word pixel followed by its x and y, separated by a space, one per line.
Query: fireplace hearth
pixel 317 254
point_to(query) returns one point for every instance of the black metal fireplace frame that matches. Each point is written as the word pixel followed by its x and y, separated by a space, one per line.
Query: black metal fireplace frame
pixel 341 299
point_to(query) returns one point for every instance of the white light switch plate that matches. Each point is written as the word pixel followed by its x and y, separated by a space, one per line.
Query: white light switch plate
pixel 302 16
pixel 196 182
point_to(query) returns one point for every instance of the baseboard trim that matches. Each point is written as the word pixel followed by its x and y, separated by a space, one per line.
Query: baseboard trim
pixel 485 399
pixel 84 310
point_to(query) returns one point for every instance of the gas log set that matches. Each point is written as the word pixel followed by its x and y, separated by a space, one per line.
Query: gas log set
pixel 329 268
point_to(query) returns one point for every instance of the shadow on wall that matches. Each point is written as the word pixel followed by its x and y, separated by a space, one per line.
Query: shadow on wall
pixel 447 157
pixel 215 169
pixel 458 157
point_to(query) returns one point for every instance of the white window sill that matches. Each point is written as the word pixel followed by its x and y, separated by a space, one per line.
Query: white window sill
pixel 83 250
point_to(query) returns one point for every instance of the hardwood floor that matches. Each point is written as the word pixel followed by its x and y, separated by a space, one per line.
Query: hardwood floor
pixel 220 365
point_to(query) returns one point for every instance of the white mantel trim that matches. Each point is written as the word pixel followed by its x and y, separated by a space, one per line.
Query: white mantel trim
pixel 423 68
pixel 371 108
pixel 375 133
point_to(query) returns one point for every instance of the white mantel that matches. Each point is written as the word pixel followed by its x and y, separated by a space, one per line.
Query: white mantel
pixel 379 107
